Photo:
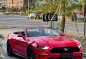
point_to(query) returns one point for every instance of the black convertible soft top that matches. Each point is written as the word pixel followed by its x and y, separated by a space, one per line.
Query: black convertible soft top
pixel 22 32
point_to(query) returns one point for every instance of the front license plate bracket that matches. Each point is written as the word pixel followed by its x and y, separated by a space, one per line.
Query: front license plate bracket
pixel 66 56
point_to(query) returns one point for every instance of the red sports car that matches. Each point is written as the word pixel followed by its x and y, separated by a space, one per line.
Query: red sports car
pixel 43 43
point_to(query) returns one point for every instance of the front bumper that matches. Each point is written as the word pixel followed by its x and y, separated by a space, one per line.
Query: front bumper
pixel 76 55
pixel 44 54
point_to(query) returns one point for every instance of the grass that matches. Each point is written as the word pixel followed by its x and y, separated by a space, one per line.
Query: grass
pixel 1 36
pixel 80 38
pixel 3 26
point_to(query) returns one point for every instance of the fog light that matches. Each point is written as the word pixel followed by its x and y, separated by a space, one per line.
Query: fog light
pixel 53 58
pixel 79 57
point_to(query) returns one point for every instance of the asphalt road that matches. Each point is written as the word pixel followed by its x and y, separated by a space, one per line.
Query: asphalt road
pixel 17 22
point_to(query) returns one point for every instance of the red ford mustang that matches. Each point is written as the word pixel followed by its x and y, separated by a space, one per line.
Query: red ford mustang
pixel 43 43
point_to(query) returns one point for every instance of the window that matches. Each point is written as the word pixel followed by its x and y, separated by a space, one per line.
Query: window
pixel 42 32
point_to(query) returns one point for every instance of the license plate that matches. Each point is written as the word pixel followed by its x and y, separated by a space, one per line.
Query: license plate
pixel 66 54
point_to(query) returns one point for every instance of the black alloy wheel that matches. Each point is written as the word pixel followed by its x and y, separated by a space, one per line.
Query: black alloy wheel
pixel 9 50
pixel 30 53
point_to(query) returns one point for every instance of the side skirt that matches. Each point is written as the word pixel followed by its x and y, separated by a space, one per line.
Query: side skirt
pixel 20 55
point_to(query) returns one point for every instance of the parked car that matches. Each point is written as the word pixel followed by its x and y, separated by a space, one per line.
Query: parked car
pixel 80 16
pixel 31 16
pixel 43 43
pixel 1 13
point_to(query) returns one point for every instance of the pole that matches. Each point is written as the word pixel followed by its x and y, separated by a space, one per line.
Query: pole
pixel 28 7
pixel 51 24
pixel 83 12
pixel 63 18
pixel 84 26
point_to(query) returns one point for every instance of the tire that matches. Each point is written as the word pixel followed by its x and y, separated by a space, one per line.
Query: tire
pixel 30 53
pixel 9 50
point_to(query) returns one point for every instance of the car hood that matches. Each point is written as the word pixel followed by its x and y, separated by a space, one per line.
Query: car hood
pixel 55 41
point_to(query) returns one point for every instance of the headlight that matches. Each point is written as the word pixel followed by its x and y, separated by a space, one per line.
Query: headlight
pixel 43 47
pixel 80 45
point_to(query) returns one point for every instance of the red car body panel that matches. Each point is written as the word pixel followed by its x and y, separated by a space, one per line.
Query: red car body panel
pixel 19 45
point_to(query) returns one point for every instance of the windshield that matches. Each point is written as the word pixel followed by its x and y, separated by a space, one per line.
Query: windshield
pixel 42 32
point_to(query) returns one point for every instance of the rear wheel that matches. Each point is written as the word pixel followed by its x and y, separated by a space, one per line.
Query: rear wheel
pixel 30 53
pixel 9 50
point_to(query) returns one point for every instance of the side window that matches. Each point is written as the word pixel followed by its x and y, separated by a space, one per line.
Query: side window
pixel 16 33
pixel 22 32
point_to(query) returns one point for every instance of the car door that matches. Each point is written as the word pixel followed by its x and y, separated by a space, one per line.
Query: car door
pixel 20 46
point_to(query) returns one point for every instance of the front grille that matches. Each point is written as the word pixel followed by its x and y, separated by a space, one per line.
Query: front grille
pixel 65 50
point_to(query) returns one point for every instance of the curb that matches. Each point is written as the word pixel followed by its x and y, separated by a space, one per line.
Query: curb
pixel 84 55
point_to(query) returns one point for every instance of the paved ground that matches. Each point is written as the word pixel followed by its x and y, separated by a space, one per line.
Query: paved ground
pixel 18 22
pixel 71 28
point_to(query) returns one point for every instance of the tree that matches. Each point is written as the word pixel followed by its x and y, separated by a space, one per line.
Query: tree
pixel 61 7
pixel 84 13
pixel 25 7
pixel 3 8
pixel 32 5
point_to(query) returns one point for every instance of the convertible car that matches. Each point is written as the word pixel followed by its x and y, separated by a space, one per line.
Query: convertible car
pixel 43 43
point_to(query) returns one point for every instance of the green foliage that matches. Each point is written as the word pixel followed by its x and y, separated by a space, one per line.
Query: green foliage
pixel 60 6
pixel 29 11
pixel 32 5
pixel 3 26
pixel 12 9
pixel 3 8
pixel 1 36
pixel 25 7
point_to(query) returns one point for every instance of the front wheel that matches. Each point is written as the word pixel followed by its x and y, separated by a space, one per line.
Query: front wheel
pixel 9 50
pixel 30 54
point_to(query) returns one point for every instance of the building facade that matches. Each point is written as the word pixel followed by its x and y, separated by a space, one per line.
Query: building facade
pixel 3 3
pixel 16 3
pixel 9 3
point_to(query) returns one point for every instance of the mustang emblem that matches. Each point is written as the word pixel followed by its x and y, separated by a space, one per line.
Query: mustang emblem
pixel 66 49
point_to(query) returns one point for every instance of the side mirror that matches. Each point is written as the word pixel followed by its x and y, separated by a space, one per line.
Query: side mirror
pixel 20 35
pixel 62 34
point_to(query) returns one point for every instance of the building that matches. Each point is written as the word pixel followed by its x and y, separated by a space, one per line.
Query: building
pixel 16 3
pixel 9 3
pixel 3 3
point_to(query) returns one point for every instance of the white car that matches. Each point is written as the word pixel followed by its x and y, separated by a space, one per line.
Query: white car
pixel 31 16
pixel 1 13
pixel 80 16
